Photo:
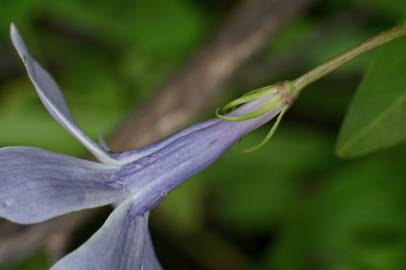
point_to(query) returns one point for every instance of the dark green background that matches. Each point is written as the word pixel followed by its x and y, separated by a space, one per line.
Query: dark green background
pixel 291 204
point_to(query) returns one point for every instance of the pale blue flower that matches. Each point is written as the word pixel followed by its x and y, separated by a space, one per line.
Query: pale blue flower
pixel 36 184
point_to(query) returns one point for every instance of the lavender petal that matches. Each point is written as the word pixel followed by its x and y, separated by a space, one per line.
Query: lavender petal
pixel 52 98
pixel 118 244
pixel 36 185
pixel 150 261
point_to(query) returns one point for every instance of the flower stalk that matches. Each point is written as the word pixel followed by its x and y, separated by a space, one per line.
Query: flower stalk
pixel 284 93
pixel 326 68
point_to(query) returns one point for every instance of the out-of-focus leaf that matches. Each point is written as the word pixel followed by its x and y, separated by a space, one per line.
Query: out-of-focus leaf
pixel 183 208
pixel 376 117
pixel 292 34
pixel 16 11
pixel 392 8
pixel 252 191
pixel 328 107
pixel 166 30
pixel 38 261
pixel 355 219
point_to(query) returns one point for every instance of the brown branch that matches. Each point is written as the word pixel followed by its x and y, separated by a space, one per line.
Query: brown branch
pixel 260 71
pixel 250 25
pixel 248 29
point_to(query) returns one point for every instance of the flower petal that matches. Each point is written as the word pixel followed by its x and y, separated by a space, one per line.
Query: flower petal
pixel 138 153
pixel 36 185
pixel 52 98
pixel 150 261
pixel 238 128
pixel 118 244
pixel 152 176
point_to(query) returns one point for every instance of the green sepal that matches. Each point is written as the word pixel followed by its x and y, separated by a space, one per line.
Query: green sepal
pixel 270 133
pixel 267 107
pixel 250 96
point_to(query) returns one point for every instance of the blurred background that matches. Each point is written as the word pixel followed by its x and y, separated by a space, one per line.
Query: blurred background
pixel 290 205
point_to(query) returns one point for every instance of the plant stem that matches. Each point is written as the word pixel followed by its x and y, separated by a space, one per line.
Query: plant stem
pixel 326 68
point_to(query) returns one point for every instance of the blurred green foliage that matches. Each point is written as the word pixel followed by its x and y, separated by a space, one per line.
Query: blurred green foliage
pixel 37 261
pixel 291 204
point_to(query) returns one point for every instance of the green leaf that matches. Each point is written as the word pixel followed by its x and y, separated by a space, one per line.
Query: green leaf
pixel 376 117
